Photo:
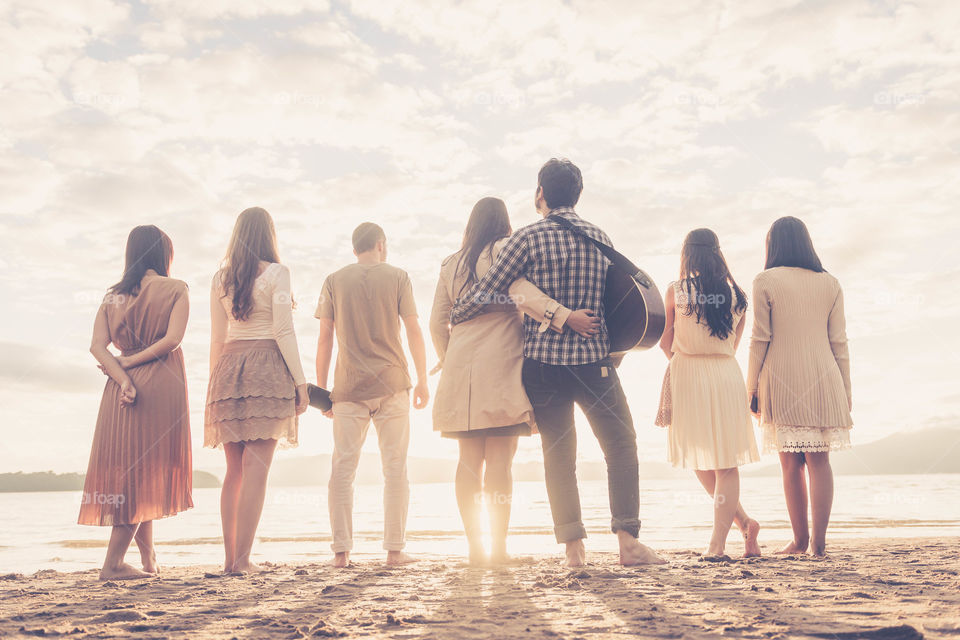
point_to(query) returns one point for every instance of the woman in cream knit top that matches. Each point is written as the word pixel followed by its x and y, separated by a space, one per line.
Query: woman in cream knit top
pixel 799 363
pixel 799 375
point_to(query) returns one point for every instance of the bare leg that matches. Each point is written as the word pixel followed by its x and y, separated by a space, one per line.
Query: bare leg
pixel 821 498
pixel 229 500
pixel 795 491
pixel 148 555
pixel 749 527
pixel 468 488
pixel 498 487
pixel 726 499
pixel 257 456
pixel 114 568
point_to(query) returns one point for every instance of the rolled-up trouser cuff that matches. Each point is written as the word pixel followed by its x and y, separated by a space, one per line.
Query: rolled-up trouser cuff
pixel 569 532
pixel 631 526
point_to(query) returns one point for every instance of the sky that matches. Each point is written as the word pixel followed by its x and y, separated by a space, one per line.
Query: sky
pixel 681 115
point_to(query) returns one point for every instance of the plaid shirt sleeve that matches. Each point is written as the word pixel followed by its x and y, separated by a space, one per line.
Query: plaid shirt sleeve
pixel 510 265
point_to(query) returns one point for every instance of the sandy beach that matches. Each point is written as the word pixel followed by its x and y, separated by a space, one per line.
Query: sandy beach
pixel 888 589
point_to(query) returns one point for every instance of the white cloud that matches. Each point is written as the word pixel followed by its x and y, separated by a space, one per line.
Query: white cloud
pixel 684 114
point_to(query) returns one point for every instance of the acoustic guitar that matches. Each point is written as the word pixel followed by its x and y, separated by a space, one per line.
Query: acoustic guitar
pixel 633 306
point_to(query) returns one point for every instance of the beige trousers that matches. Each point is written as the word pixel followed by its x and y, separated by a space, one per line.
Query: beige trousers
pixel 391 418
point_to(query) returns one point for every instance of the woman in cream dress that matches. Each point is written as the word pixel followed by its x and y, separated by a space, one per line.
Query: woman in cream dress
pixel 480 399
pixel 710 430
pixel 257 386
pixel 800 375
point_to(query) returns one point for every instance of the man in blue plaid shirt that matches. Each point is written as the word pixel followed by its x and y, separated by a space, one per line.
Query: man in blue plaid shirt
pixel 561 370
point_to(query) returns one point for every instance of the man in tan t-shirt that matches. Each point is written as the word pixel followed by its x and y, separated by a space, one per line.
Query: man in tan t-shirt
pixel 363 304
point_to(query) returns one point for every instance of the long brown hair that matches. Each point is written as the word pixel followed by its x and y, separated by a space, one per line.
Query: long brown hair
pixel 789 245
pixel 147 248
pixel 709 285
pixel 488 222
pixel 254 239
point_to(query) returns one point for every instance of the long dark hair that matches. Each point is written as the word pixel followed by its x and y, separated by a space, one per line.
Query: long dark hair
pixel 254 239
pixel 789 245
pixel 488 222
pixel 709 285
pixel 147 248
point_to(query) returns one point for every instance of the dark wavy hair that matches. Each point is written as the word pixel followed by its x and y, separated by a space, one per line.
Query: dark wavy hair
pixel 254 239
pixel 147 248
pixel 488 223
pixel 789 245
pixel 709 285
pixel 561 182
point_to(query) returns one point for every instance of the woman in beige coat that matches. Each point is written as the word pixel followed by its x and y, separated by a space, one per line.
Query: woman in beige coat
pixel 480 398
pixel 799 376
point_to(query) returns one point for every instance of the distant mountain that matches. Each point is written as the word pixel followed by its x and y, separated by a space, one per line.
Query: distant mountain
pixel 50 481
pixel 924 451
pixel 934 450
pixel 315 470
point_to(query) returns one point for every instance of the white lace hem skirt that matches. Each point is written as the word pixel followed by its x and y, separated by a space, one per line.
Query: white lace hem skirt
pixel 778 438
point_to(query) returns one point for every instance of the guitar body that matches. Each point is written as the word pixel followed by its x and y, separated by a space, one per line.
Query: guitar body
pixel 634 311
pixel 632 304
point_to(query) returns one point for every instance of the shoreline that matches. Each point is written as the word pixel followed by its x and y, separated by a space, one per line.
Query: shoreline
pixel 864 585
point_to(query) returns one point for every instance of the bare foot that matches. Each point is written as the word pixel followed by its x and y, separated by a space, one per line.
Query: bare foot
pixel 150 564
pixel 793 548
pixel 712 552
pixel 123 572
pixel 398 558
pixel 633 552
pixel 500 557
pixel 576 554
pixel 819 551
pixel 245 566
pixel 340 560
pixel 477 556
pixel 751 548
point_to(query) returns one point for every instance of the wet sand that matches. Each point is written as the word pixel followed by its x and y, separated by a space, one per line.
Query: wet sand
pixel 884 589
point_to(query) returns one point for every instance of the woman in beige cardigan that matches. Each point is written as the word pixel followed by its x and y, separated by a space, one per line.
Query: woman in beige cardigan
pixel 799 375
pixel 480 398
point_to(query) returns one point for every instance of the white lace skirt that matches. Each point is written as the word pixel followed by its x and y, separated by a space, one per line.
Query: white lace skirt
pixel 779 438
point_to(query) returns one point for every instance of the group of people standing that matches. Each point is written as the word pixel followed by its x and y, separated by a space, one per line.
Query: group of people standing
pixel 518 325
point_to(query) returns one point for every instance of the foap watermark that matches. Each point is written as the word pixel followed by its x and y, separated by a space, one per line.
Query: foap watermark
pixel 103 498
pixel 498 498
pixel 499 297
pixel 106 101
pixel 509 99
pixel 899 497
pixel 896 99
pixel 899 299
pixel 687 498
pixel 96 298
pixel 700 99
pixel 298 99
pixel 297 499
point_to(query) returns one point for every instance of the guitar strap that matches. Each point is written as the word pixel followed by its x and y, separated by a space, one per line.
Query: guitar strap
pixel 614 256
